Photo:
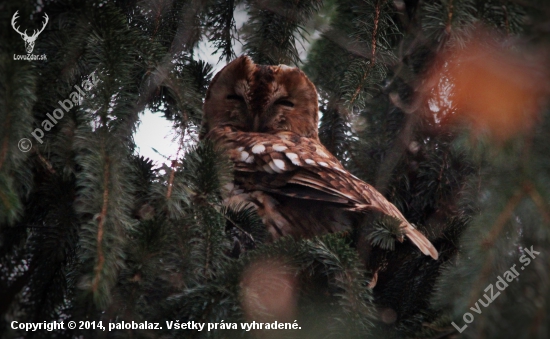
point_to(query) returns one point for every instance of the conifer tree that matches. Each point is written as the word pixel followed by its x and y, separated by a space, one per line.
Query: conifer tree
pixel 441 105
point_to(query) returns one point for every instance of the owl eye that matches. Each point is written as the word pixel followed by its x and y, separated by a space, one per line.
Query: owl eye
pixel 284 102
pixel 235 97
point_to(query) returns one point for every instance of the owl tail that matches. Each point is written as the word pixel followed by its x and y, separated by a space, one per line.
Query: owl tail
pixel 378 202
pixel 420 240
pixel 384 206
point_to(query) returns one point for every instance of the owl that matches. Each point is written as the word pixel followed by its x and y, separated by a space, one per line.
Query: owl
pixel 266 119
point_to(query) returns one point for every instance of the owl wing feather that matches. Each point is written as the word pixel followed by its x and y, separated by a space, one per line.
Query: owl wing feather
pixel 287 164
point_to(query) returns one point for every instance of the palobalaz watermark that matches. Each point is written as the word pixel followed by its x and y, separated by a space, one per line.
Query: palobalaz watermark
pixel 75 99
pixel 29 39
pixel 501 285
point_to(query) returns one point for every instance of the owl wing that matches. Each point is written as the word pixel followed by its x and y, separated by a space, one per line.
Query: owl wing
pixel 299 167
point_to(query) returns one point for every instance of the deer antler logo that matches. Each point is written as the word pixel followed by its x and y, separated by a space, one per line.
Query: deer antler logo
pixel 29 40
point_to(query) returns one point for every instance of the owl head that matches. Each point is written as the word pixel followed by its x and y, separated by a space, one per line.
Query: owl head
pixel 258 98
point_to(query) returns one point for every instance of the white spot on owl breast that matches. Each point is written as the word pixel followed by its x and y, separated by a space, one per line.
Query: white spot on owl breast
pixel 258 148
pixel 279 164
pixel 244 155
pixel 268 169
pixel 275 167
pixel 279 147
pixel 294 158
pixel 309 162
pixel 321 153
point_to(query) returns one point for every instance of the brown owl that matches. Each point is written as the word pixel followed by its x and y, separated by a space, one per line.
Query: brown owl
pixel 266 118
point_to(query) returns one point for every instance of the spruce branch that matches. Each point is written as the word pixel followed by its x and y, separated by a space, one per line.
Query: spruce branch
pixel 5 142
pixel 101 220
pixel 271 32
pixel 448 20
pixel 386 230
pixel 171 179
pixel 495 230
pixel 539 202
pixel 221 24
pixel 374 40
pixel 374 28
pixel 46 163
pixel 504 216
pixel 448 24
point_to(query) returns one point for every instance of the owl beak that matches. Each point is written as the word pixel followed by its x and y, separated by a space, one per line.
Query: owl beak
pixel 256 126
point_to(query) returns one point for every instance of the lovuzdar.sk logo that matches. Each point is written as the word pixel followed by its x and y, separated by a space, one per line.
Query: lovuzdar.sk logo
pixel 28 39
